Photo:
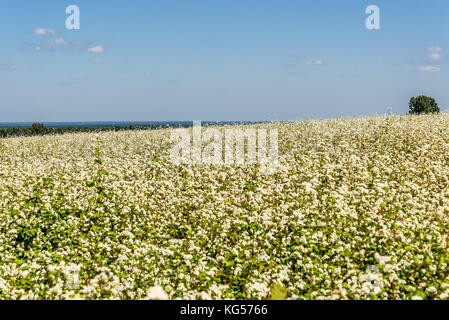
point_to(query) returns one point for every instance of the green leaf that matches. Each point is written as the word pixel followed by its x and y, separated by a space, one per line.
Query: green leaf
pixel 278 292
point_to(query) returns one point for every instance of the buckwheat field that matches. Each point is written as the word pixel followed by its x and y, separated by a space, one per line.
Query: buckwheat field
pixel 357 209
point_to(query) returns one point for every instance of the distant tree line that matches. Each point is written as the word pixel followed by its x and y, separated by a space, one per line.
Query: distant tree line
pixel 39 129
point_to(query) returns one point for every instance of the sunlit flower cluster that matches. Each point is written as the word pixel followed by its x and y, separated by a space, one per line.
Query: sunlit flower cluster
pixel 109 216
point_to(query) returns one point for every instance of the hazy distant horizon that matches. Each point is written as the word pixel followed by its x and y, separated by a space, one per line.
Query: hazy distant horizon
pixel 99 124
pixel 108 123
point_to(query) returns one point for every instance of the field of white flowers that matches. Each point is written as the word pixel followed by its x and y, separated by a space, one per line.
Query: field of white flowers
pixel 350 199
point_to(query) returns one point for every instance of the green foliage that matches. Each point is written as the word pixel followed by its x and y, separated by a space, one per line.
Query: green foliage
pixel 278 292
pixel 423 105
pixel 39 129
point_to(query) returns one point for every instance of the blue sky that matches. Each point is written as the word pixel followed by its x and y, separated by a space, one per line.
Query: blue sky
pixel 219 60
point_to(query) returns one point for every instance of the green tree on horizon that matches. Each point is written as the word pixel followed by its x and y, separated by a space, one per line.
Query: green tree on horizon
pixel 423 105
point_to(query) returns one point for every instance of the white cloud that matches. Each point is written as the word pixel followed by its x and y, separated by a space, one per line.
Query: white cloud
pixel 44 32
pixel 97 61
pixel 315 63
pixel 60 41
pixel 436 56
pixel 38 48
pixel 8 66
pixel 435 49
pixel 96 49
pixel 429 69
